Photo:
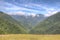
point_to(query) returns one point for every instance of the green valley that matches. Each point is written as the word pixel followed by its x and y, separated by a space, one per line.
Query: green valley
pixel 8 25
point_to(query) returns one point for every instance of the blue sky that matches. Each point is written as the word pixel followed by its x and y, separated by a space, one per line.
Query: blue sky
pixel 46 7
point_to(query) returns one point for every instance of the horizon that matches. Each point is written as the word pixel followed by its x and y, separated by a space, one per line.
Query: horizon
pixel 47 7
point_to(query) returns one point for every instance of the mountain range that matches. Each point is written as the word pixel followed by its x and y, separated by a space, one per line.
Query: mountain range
pixel 29 21
pixel 39 24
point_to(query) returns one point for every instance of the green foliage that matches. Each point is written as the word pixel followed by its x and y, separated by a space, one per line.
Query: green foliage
pixel 10 26
pixel 49 26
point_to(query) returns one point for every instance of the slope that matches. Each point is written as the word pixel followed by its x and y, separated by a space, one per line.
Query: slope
pixel 49 26
pixel 29 21
pixel 9 26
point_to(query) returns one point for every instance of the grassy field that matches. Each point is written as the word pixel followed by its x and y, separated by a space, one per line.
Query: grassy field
pixel 29 37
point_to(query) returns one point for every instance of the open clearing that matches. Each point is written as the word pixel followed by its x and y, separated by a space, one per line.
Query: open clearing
pixel 29 37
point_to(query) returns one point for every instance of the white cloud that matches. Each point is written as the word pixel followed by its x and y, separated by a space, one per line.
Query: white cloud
pixel 17 13
pixel 50 13
pixel 15 8
pixel 20 13
pixel 23 13
pixel 50 10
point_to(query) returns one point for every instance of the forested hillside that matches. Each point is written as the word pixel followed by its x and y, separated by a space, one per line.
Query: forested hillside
pixel 9 26
pixel 49 26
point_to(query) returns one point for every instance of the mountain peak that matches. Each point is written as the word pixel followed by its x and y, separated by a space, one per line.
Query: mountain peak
pixel 26 14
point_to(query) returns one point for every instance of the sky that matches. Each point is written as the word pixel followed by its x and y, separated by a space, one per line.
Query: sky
pixel 27 7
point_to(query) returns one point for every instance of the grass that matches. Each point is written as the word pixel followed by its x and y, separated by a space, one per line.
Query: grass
pixel 29 37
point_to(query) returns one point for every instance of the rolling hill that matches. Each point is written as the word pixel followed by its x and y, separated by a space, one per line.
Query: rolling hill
pixel 8 25
pixel 49 26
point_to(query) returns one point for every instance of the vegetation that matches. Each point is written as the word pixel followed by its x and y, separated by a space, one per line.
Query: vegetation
pixel 49 26
pixel 9 26
pixel 29 37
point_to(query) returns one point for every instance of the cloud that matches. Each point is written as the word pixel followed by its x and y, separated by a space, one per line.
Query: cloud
pixel 23 13
pixel 29 8
pixel 50 13
pixel 46 9
pixel 13 8
pixel 50 10
pixel 20 13
pixel 17 13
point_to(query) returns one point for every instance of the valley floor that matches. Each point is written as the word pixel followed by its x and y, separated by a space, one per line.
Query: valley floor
pixel 29 37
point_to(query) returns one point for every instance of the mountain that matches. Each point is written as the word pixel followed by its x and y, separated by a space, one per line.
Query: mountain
pixel 8 25
pixel 20 23
pixel 29 21
pixel 49 26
